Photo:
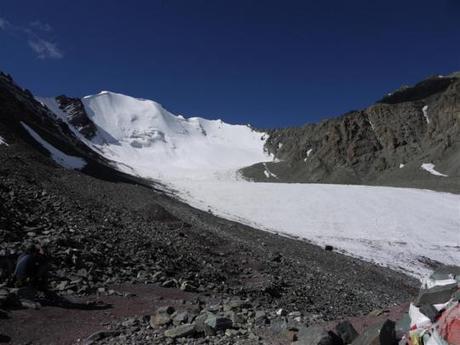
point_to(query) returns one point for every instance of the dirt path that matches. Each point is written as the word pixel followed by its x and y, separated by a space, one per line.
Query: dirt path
pixel 52 325
pixel 60 326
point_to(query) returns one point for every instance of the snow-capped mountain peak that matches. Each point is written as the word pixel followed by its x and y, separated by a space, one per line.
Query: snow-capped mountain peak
pixel 155 143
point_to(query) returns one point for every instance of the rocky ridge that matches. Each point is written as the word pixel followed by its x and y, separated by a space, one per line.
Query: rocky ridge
pixel 384 144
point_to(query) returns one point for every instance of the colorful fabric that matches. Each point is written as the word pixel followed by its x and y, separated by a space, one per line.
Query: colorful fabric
pixel 448 325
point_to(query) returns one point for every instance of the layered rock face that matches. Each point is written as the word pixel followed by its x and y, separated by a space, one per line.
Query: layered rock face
pixel 383 144
pixel 76 115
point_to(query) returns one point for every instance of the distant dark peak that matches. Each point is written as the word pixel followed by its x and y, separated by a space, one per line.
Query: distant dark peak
pixel 424 89
pixel 6 76
pixel 76 115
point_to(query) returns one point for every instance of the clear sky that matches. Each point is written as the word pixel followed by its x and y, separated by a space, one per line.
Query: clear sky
pixel 268 63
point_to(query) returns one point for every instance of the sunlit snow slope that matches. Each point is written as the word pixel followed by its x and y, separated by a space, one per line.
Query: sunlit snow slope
pixel 157 144
pixel 396 227
pixel 199 159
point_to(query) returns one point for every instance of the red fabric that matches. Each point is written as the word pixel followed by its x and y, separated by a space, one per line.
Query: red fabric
pixel 449 325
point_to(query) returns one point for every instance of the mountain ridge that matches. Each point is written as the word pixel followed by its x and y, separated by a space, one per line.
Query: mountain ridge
pixel 407 128
pixel 388 143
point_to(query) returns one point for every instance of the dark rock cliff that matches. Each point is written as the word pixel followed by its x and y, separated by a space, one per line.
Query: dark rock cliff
pixel 76 115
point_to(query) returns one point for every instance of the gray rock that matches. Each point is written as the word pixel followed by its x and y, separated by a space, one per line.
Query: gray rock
pixel 218 323
pixel 180 318
pixel 456 295
pixel 436 295
pixel 201 326
pixel 379 334
pixel 316 335
pixel 166 310
pixel 95 337
pixel 30 304
pixel 278 326
pixel 445 272
pixel 237 318
pixel 429 311
pixel 346 331
pixel 186 286
pixel 235 304
pixel 169 283
pixel 260 317
pixel 62 285
pixel 162 316
pixel 281 312
pixel 181 331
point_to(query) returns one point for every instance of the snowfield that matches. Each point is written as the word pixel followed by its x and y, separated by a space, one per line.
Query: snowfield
pixel 395 227
pixel 198 159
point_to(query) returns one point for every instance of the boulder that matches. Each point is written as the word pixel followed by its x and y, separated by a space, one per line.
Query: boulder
pixel 162 316
pixel 166 310
pixel 186 286
pixel 261 317
pixel 236 305
pixel 436 295
pixel 382 333
pixel 429 311
pixel 201 326
pixel 316 335
pixel 281 312
pixel 218 322
pixel 30 304
pixel 456 295
pixel 181 331
pixel 445 272
pixel 95 337
pixel 346 331
pixel 180 318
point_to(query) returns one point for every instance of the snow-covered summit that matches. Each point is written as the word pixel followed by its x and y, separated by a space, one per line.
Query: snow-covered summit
pixel 143 135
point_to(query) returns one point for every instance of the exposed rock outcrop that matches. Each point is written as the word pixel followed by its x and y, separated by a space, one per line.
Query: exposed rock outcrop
pixel 385 143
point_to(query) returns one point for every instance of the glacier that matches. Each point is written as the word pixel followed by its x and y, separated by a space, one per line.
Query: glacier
pixel 198 160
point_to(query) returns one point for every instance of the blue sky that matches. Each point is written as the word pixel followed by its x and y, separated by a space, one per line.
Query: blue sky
pixel 268 63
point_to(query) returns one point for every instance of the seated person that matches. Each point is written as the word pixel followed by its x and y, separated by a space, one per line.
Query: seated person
pixel 32 268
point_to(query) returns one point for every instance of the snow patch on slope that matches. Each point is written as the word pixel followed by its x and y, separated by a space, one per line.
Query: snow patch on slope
pixel 52 104
pixel 309 151
pixel 430 168
pixel 268 173
pixel 3 142
pixel 425 114
pixel 63 159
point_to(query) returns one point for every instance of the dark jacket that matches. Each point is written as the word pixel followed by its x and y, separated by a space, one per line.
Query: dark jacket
pixel 26 267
